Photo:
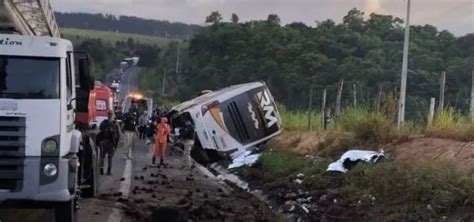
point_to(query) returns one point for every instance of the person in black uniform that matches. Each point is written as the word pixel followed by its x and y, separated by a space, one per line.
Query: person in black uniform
pixel 108 139
pixel 130 130
pixel 187 135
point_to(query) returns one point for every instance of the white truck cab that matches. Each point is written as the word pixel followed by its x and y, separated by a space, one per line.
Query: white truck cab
pixel 39 145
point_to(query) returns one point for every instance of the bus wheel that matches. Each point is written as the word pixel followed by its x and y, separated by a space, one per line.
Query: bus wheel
pixel 200 155
pixel 66 212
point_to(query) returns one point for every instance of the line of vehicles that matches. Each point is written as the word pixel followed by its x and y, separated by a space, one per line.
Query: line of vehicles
pixel 50 107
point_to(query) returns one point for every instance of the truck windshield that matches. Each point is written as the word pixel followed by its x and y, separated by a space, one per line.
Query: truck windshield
pixel 29 77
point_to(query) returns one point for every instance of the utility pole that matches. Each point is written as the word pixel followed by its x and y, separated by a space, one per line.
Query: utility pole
pixel 442 85
pixel 164 82
pixel 403 84
pixel 177 61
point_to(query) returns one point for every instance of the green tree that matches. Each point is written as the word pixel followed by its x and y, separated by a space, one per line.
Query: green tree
pixel 235 18
pixel 214 18
pixel 273 19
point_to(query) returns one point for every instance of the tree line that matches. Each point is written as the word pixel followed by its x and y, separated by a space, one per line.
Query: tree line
pixel 293 58
pixel 127 24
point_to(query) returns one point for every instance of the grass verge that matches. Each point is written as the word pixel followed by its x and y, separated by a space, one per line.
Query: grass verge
pixel 387 190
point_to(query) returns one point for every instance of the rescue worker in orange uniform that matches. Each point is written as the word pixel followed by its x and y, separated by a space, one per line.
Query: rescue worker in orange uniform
pixel 162 132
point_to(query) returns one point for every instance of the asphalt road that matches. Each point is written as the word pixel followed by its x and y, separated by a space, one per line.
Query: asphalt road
pixel 128 83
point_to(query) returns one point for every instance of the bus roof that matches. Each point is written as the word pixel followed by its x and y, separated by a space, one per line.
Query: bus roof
pixel 223 93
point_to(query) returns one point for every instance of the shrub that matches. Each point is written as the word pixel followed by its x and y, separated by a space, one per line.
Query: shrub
pixel 451 125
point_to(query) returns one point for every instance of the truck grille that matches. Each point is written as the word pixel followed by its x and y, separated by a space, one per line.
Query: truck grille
pixel 12 152
pixel 12 136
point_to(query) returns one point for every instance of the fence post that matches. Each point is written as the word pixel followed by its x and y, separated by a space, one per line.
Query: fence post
pixel 379 99
pixel 354 95
pixel 338 98
pixel 323 109
pixel 310 108
pixel 472 96
pixel 441 91
pixel 432 111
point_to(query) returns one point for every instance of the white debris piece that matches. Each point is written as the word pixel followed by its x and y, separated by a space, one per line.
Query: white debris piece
pixel 355 155
pixel 300 175
pixel 243 158
pixel 298 181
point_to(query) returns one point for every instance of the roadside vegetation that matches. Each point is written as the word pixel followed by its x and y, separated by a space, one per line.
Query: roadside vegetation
pixel 390 190
pixel 418 188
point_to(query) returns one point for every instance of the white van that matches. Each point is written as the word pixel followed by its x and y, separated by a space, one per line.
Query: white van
pixel 229 120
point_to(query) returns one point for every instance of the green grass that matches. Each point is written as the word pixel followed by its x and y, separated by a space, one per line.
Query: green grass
pixel 451 125
pixel 298 120
pixel 112 37
pixel 281 164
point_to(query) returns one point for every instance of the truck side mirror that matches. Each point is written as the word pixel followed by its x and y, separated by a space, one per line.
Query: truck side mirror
pixel 84 71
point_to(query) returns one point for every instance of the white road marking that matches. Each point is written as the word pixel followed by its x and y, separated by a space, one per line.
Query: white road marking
pixel 116 214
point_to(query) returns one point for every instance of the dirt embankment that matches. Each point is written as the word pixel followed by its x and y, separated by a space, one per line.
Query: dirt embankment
pixel 425 150
pixel 318 143
pixel 415 151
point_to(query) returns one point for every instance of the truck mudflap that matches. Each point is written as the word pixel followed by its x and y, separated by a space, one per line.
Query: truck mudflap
pixel 38 179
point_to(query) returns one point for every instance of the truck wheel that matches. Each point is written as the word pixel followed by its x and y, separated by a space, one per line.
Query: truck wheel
pixel 92 182
pixel 65 212
pixel 200 155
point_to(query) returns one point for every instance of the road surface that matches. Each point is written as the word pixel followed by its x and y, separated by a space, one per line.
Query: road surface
pixel 138 192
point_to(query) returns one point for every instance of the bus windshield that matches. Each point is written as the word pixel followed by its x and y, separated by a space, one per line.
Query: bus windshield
pixel 29 77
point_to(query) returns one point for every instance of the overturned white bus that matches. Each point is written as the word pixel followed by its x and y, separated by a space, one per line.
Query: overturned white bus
pixel 229 120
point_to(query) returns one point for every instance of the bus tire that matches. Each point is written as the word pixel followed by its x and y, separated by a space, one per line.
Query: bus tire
pixel 200 155
pixel 65 212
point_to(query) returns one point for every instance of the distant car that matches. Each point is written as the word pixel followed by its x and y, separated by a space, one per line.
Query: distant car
pixel 115 84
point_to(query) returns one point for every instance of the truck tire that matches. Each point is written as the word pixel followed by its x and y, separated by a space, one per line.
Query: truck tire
pixel 92 182
pixel 65 212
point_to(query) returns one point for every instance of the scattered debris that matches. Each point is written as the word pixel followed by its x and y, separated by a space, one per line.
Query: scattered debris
pixel 244 159
pixel 352 157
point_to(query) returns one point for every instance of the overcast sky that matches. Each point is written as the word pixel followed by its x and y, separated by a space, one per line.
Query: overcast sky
pixel 456 16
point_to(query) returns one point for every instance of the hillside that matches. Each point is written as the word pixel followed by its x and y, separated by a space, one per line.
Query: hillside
pixel 127 24
pixel 77 35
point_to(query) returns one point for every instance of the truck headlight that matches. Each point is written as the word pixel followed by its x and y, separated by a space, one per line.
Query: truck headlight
pixel 50 146
pixel 50 170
